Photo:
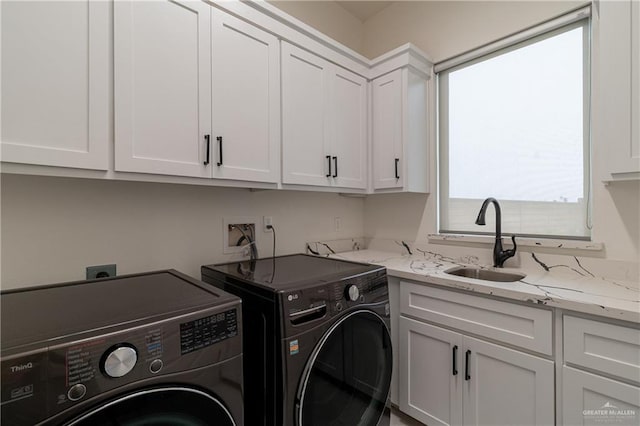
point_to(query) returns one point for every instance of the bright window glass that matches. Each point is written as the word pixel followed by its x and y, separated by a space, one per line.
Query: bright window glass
pixel 514 126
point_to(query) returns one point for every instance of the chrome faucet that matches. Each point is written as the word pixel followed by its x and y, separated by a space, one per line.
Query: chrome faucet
pixel 499 255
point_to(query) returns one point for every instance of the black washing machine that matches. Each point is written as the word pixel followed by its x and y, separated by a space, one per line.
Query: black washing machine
pixel 317 348
pixel 150 349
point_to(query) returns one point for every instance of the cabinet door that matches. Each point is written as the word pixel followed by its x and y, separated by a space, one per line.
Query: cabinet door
pixel 305 79
pixel 246 100
pixel 387 131
pixel 588 399
pixel 162 86
pixel 430 373
pixel 635 84
pixel 55 83
pixel 348 124
pixel 617 103
pixel 506 387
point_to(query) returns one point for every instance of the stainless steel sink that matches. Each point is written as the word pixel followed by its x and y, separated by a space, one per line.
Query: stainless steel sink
pixel 485 274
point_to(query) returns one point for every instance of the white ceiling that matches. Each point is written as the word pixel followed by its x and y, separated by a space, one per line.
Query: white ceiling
pixel 364 10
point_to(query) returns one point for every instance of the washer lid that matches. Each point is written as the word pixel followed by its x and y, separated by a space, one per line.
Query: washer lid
pixel 41 314
pixel 293 271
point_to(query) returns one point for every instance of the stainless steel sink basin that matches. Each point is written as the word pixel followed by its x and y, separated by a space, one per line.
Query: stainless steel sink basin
pixel 485 274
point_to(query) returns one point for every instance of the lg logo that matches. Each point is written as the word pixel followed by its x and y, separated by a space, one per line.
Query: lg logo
pixel 292 297
pixel 16 368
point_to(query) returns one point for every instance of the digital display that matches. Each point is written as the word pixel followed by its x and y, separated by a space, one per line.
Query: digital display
pixel 206 331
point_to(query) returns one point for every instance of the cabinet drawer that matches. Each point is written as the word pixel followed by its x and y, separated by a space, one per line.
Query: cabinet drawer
pixel 518 325
pixel 604 347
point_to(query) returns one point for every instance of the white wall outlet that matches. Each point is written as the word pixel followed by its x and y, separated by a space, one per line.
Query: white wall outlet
pixel 337 223
pixel 267 221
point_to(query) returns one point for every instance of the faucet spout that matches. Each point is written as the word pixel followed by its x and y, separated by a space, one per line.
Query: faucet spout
pixel 499 255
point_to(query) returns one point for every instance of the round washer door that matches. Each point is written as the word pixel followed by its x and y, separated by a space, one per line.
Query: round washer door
pixel 174 406
pixel 347 379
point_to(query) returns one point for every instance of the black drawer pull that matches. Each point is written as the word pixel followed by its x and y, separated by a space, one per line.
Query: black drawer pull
pixel 219 139
pixel 329 161
pixel 397 175
pixel 335 167
pixel 207 138
pixel 455 360
pixel 467 376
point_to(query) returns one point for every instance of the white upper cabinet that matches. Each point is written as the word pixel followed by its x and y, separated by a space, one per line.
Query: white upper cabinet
pixel 617 99
pixel 400 128
pixel 324 111
pixel 635 85
pixel 219 91
pixel 348 128
pixel 196 94
pixel 305 89
pixel 162 87
pixel 387 131
pixel 55 83
pixel 246 101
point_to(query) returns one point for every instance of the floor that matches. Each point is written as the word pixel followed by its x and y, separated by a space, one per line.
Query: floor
pixel 399 419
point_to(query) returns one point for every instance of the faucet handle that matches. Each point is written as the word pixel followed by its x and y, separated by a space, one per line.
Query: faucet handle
pixel 503 255
pixel 511 252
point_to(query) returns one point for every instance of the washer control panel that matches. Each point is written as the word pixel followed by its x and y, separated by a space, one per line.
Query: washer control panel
pixel 43 383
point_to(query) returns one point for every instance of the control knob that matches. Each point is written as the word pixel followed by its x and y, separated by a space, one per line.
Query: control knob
pixel 352 293
pixel 119 361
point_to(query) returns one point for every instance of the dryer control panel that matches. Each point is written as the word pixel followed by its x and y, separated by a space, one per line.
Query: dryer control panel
pixel 302 307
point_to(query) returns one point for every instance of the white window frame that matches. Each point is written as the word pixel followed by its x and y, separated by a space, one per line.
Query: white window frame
pixel 572 20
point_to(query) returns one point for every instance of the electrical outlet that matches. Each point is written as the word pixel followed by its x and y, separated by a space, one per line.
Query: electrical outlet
pixel 267 221
pixel 101 271
pixel 337 224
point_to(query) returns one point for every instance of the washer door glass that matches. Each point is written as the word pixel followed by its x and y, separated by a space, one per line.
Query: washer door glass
pixel 159 407
pixel 347 380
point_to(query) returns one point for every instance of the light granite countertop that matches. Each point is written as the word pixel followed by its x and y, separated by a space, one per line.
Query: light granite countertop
pixel 567 286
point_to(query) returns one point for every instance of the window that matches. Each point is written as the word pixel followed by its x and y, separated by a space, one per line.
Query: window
pixel 514 125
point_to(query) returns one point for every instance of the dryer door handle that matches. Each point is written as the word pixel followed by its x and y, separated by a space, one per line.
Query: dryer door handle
pixel 305 315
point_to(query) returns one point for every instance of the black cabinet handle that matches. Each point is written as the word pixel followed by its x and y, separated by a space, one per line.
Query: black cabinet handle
pixel 335 166
pixel 466 365
pixel 397 175
pixel 329 161
pixel 455 360
pixel 207 138
pixel 219 139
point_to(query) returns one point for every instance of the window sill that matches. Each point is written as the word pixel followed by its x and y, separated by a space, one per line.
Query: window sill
pixel 521 241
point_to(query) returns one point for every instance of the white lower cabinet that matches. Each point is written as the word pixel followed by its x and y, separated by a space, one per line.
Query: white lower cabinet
pixel 505 386
pixel 430 373
pixel 590 399
pixel 448 378
pixel 605 349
